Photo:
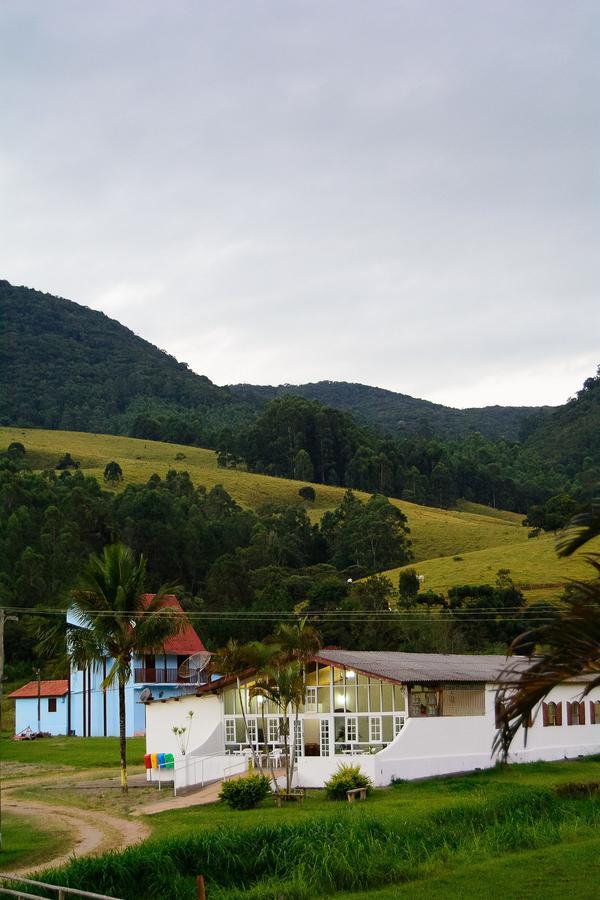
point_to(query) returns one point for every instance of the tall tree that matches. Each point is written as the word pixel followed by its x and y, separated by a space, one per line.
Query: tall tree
pixel 115 620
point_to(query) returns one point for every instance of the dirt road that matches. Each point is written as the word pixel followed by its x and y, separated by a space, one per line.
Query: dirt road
pixel 93 831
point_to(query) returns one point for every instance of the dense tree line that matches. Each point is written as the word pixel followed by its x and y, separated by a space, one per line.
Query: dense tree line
pixel 399 414
pixel 239 570
pixel 223 558
pixel 297 438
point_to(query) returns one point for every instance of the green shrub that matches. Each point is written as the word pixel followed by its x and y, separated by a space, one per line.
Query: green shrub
pixel 245 793
pixel 574 789
pixel 346 779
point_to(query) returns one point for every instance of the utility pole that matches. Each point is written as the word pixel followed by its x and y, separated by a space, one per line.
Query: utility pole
pixel 38 672
pixel 3 618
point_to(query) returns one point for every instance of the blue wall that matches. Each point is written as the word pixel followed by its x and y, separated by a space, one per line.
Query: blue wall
pixel 26 715
pixel 135 712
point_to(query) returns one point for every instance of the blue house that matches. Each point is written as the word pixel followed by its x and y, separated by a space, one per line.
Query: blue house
pixel 88 710
pixel 42 706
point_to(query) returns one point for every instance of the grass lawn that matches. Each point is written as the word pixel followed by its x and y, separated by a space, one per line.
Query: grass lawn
pixel 81 753
pixel 434 532
pixel 570 869
pixel 24 842
pixel 463 836
pixel 410 800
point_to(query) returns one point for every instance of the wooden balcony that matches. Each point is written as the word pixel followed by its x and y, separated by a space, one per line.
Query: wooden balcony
pixel 159 675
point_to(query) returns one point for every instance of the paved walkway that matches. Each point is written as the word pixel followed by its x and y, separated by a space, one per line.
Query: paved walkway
pixel 208 794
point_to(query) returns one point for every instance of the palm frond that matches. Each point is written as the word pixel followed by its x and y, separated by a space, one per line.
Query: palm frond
pixel 582 529
pixel 571 650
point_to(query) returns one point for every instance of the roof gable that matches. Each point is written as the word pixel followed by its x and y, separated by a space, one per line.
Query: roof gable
pixel 186 641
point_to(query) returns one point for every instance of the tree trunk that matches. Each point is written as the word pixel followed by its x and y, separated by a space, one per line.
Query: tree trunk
pixel 286 756
pixel 255 761
pixel 122 735
pixel 293 747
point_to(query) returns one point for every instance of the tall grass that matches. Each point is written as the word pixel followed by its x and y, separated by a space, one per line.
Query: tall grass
pixel 328 854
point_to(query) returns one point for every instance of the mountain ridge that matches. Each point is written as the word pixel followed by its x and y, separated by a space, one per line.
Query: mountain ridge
pixel 398 412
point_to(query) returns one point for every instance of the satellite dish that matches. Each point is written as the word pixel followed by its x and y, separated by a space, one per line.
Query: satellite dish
pixel 191 667
pixel 146 695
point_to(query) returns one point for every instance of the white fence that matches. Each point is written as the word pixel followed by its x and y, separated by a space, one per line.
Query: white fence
pixel 196 771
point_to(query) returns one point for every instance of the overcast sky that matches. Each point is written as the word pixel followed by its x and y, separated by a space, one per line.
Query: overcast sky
pixel 404 194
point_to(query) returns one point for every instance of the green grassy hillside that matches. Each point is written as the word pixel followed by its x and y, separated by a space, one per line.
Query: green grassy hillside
pixel 533 565
pixel 435 532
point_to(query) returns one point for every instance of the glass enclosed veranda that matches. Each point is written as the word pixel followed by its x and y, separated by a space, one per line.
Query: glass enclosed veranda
pixel 344 712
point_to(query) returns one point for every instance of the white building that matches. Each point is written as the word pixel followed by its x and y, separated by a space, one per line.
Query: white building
pixel 398 715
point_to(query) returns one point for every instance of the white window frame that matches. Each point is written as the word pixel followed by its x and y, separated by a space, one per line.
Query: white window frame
pixel 273 731
pixel 230 730
pixel 310 701
pixel 298 729
pixel 252 730
pixel 398 724
pixel 375 729
pixel 351 728
pixel 324 737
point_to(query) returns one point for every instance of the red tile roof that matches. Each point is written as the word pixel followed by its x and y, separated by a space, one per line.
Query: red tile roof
pixel 187 641
pixel 57 688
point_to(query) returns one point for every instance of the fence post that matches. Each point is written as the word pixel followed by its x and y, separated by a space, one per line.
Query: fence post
pixel 200 888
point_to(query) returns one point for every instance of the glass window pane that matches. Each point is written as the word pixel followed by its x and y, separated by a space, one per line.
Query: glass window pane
pixel 324 696
pixel 388 728
pixel 374 695
pixel 363 699
pixel 399 697
pixel 363 729
pixel 387 691
pixel 229 702
pixel 324 675
pixel 311 673
pixel 339 699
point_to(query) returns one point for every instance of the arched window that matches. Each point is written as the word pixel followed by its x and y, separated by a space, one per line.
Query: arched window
pixel 551 716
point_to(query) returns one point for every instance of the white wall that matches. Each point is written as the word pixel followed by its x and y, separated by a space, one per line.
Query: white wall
pixel 207 722
pixel 313 771
pixel 438 746
pixel 425 746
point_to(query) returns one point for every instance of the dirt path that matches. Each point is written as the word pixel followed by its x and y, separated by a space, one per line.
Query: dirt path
pixel 93 831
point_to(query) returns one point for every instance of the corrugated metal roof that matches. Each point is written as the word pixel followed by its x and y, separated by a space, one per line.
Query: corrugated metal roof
pixel 423 667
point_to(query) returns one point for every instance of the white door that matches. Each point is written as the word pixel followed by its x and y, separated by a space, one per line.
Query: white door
pixel 324 735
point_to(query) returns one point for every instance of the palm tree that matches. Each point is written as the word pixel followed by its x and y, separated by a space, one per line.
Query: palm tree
pixel 115 620
pixel 234 660
pixel 283 682
pixel 283 686
pixel 297 641
pixel 571 640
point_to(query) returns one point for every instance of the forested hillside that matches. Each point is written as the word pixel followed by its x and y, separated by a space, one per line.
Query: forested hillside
pixel 570 436
pixel 400 414
pixel 63 365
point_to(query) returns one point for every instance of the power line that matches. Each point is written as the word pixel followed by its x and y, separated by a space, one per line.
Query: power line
pixel 326 616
